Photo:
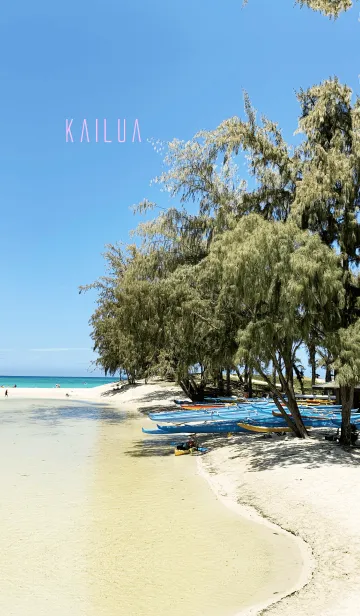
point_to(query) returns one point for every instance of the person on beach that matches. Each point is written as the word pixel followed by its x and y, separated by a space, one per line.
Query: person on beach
pixel 6 393
pixel 191 443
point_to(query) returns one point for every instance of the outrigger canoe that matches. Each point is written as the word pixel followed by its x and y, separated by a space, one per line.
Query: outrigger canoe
pixel 266 429
pixel 210 401
pixel 306 417
pixel 216 427
pixel 202 407
pixel 203 428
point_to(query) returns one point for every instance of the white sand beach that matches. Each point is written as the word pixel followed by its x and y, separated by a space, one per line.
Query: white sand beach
pixel 98 520
pixel 311 489
pixel 306 488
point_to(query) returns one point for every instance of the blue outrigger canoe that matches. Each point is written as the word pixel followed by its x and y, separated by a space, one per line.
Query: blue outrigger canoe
pixel 253 415
pixel 211 428
pixel 197 417
pixel 216 427
pixel 208 401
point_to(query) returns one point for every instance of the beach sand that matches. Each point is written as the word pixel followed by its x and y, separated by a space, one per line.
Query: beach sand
pixel 309 488
pixel 95 519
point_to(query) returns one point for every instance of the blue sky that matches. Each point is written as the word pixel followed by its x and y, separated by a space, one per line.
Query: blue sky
pixel 177 68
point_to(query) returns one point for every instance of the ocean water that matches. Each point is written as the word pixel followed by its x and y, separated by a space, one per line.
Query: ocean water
pixel 72 382
pixel 98 520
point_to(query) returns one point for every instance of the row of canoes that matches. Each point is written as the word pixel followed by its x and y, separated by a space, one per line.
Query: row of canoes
pixel 242 416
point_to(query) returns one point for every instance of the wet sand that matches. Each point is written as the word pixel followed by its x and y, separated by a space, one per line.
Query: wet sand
pixel 97 521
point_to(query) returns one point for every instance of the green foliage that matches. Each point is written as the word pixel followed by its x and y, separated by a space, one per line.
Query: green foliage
pixel 327 192
pixel 331 8
pixel 276 281
pixel 345 346
pixel 254 273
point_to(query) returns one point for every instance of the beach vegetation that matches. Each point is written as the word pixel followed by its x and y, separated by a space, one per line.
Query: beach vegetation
pixel 263 265
pixel 330 8
pixel 275 284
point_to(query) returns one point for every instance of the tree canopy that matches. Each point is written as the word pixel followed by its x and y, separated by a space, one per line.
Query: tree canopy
pixel 267 263
pixel 331 8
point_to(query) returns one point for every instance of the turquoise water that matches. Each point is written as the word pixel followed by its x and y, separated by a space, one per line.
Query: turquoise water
pixel 71 382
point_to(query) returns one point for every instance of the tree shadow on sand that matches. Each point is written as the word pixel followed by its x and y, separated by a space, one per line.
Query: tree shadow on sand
pixel 113 391
pixel 263 453
pixel 162 446
pixel 145 410
pixel 159 395
pixel 150 448
pixel 147 397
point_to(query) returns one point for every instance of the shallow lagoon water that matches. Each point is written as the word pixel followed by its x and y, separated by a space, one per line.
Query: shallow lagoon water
pixel 96 520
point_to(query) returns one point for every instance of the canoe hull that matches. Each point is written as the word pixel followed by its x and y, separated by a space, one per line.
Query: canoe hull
pixel 266 429
pixel 214 428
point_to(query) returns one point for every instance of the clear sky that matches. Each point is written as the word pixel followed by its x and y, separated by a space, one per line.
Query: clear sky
pixel 177 67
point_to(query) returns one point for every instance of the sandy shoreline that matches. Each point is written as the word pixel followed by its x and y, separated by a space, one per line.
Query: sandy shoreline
pixel 79 476
pixel 308 489
pixel 247 512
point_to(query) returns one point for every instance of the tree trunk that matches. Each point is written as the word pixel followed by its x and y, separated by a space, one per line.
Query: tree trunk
pixel 190 388
pixel 285 416
pixel 220 382
pixel 299 378
pixel 274 375
pixel 203 377
pixel 228 382
pixel 130 378
pixel 289 375
pixel 347 399
pixel 295 414
pixel 246 377
pixel 297 424
pixel 184 384
pixel 291 402
pixel 328 374
pixel 250 389
pixel 197 390
pixel 239 375
pixel 312 362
